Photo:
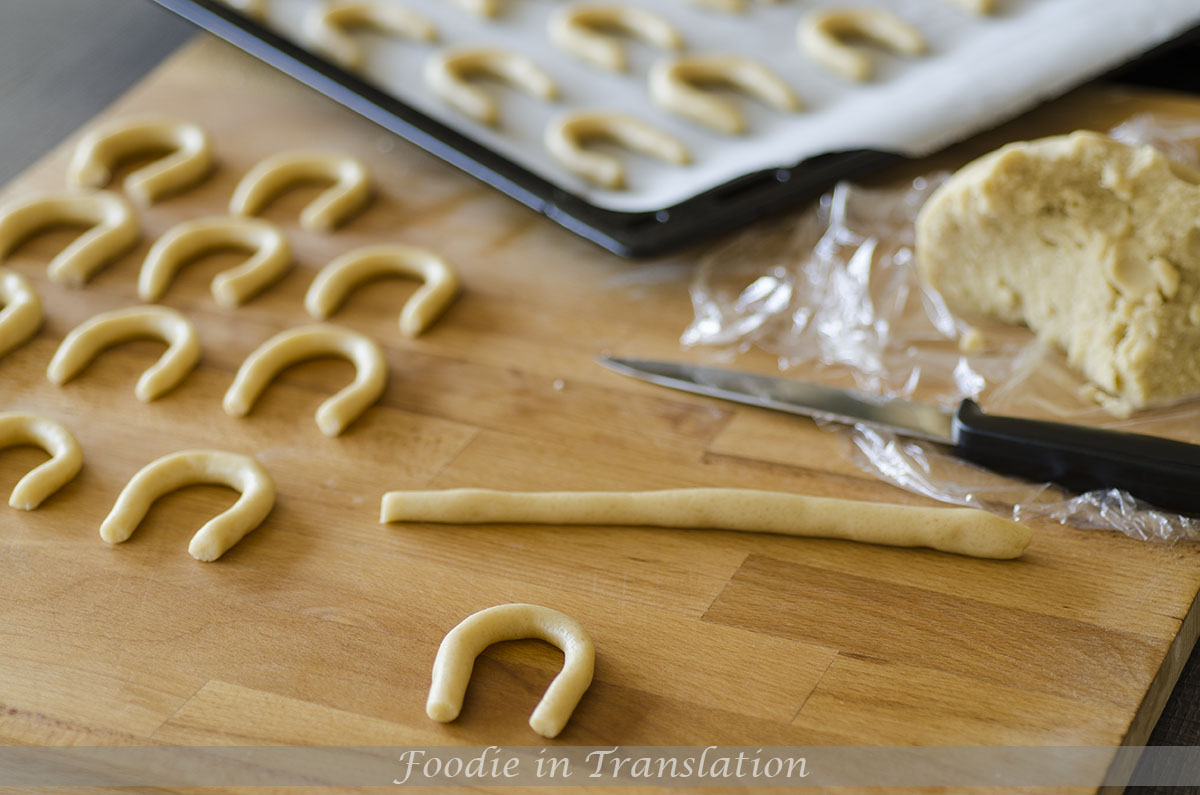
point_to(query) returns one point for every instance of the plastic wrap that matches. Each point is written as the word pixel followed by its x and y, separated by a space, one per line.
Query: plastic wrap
pixel 836 297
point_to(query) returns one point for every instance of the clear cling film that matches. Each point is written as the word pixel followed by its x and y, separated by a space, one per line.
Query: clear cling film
pixel 835 296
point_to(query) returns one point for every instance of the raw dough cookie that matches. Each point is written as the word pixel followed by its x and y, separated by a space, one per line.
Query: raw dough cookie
pixel 20 310
pixel 66 457
pixel 566 136
pixel 350 192
pixel 271 257
pixel 338 278
pixel 977 6
pixel 114 230
pixel 446 75
pixel 98 152
pixel 480 8
pixel 456 659
pixel 1093 244
pixel 674 85
pixel 251 8
pixel 189 468
pixel 310 342
pixel 822 35
pixel 326 26
pixel 964 531
pixel 583 31
pixel 88 339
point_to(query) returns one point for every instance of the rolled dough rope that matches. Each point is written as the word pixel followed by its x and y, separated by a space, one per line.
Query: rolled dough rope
pixel 326 26
pixel 456 659
pixel 674 81
pixel 566 136
pixel 114 230
pixel 335 281
pixel 251 8
pixel 101 149
pixel 447 73
pixel 66 457
pixel 964 531
pixel 350 192
pixel 582 31
pixel 188 468
pixel 89 338
pixel 822 35
pixel 21 312
pixel 309 342
pixel 271 257
pixel 977 6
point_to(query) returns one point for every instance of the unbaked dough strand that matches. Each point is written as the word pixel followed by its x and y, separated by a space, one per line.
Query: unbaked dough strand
pixel 583 32
pixel 20 310
pixel 350 192
pixel 335 281
pixel 192 467
pixel 98 152
pixel 822 36
pixel 326 26
pixel 113 230
pixel 964 531
pixel 271 257
pixel 566 136
pixel 446 75
pixel 309 342
pixel 456 659
pixel 66 457
pixel 85 342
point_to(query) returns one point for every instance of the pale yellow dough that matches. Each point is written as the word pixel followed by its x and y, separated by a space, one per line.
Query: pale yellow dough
pixel 823 34
pixel 350 192
pixel 98 152
pixel 446 75
pixel 271 257
pixel 675 84
pixel 66 457
pixel 977 6
pixel 326 26
pixel 20 310
pixel 337 279
pixel 1092 243
pixel 480 8
pixel 310 342
pixel 963 531
pixel 256 9
pixel 566 136
pixel 583 31
pixel 113 230
pixel 194 467
pixel 85 342
pixel 456 659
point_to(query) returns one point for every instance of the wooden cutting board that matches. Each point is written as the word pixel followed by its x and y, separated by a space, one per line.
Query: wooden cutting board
pixel 321 626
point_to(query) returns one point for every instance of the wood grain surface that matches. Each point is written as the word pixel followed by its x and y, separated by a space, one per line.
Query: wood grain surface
pixel 320 627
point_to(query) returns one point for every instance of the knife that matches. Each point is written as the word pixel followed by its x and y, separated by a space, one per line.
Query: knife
pixel 1160 471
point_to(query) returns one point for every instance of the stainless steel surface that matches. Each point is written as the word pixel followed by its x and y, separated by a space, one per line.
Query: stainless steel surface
pixel 795 397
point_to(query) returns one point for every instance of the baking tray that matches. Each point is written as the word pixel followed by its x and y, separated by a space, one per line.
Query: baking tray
pixel 641 233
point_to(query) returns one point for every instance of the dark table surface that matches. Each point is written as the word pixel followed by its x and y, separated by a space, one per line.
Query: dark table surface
pixel 63 61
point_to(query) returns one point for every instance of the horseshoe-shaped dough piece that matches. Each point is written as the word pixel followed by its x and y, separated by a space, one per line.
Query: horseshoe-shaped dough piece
pixel 114 230
pixel 309 342
pixel 189 468
pixel 21 312
pixel 673 86
pixel 89 338
pixel 271 257
pixel 446 75
pixel 326 26
pixel 480 8
pixel 456 659
pixel 566 136
pixel 350 192
pixel 66 457
pixel 977 6
pixel 822 35
pixel 99 150
pixel 339 277
pixel 582 31
pixel 963 531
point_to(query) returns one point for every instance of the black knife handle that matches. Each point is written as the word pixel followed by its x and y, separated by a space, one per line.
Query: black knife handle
pixel 1163 472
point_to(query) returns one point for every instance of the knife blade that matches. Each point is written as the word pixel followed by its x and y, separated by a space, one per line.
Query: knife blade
pixel 1163 472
